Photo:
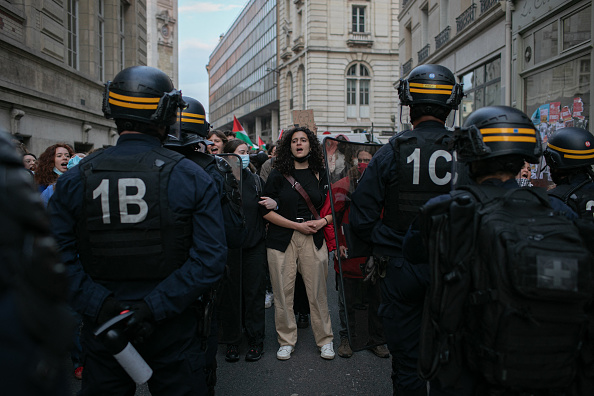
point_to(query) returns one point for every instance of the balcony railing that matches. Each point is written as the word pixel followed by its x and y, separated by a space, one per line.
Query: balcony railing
pixel 423 53
pixel 486 5
pixel 359 40
pixel 406 67
pixel 466 18
pixel 442 38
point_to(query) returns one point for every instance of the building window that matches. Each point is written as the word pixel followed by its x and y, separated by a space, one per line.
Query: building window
pixel 101 39
pixel 576 28
pixel 122 36
pixel 73 33
pixel 358 19
pixel 482 87
pixel 358 87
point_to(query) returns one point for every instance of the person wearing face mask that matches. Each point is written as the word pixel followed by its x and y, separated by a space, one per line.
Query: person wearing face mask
pixel 247 267
pixel 53 162
pixel 352 274
pixel 295 240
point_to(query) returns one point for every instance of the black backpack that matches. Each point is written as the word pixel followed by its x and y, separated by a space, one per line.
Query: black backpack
pixel 510 284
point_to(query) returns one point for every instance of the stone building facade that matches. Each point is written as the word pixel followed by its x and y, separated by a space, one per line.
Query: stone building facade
pixel 56 57
pixel 340 59
pixel 242 73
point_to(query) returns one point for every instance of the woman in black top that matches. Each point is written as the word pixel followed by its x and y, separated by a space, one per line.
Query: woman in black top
pixel 295 240
pixel 247 268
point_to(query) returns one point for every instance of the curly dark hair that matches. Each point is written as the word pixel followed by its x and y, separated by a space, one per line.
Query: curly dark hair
pixel 285 162
pixel 44 172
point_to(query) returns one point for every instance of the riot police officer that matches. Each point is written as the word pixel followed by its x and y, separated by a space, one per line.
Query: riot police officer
pixel 188 137
pixel 36 326
pixel 402 176
pixel 570 155
pixel 140 228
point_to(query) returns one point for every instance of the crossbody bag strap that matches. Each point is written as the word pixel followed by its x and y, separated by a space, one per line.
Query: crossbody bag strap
pixel 299 188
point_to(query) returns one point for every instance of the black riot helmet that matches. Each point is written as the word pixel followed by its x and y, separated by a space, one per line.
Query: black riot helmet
pixel 193 119
pixel 142 94
pixel 430 85
pixel 190 130
pixel 496 131
pixel 570 148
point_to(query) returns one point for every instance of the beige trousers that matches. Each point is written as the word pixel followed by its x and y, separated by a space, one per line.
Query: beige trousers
pixel 301 255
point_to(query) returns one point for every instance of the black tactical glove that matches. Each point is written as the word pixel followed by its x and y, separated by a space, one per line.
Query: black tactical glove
pixel 110 308
pixel 140 326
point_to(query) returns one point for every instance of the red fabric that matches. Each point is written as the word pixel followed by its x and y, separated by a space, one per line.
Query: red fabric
pixel 329 234
pixel 237 126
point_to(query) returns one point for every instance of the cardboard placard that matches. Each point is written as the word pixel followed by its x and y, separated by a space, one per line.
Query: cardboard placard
pixel 305 118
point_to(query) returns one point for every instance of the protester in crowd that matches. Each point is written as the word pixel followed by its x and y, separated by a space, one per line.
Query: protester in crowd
pixel 230 135
pixel 52 163
pixel 352 285
pixel 295 240
pixel 30 161
pixel 218 139
pixel 247 268
pixel 524 175
pixel 141 230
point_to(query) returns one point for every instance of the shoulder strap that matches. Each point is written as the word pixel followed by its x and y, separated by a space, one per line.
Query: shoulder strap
pixel 297 187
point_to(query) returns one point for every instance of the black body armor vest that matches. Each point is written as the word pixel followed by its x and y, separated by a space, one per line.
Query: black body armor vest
pixel 127 230
pixel 578 196
pixel 424 170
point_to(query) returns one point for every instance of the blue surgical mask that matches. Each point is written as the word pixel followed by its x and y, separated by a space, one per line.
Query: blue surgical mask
pixel 56 171
pixel 245 160
pixel 73 161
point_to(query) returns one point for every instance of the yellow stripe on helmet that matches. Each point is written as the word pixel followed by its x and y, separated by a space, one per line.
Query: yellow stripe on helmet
pixel 192 120
pixel 430 91
pixel 133 98
pixel 434 86
pixel 578 156
pixel 570 151
pixel 512 131
pixel 505 138
pixel 201 116
pixel 133 105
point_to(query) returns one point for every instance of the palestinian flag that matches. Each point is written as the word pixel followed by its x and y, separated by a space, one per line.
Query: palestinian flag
pixel 241 135
pixel 261 143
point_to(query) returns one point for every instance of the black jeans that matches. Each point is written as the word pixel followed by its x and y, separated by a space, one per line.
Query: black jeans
pixel 244 289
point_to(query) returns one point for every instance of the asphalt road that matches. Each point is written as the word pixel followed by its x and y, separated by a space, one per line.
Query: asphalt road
pixel 305 374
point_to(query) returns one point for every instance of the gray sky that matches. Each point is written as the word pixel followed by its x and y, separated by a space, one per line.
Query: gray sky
pixel 200 25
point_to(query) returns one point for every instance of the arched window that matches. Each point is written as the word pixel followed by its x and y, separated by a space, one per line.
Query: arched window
pixel 302 87
pixel 290 94
pixel 358 86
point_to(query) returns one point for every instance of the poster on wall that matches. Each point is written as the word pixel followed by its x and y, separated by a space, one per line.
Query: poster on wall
pixel 549 117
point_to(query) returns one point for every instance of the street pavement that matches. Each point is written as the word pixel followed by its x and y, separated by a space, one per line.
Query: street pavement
pixel 305 374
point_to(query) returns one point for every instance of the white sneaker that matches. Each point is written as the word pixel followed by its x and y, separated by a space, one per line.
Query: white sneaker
pixel 269 300
pixel 327 351
pixel 284 352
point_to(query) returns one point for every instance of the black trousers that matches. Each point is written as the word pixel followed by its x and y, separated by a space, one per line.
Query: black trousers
pixel 174 352
pixel 243 291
